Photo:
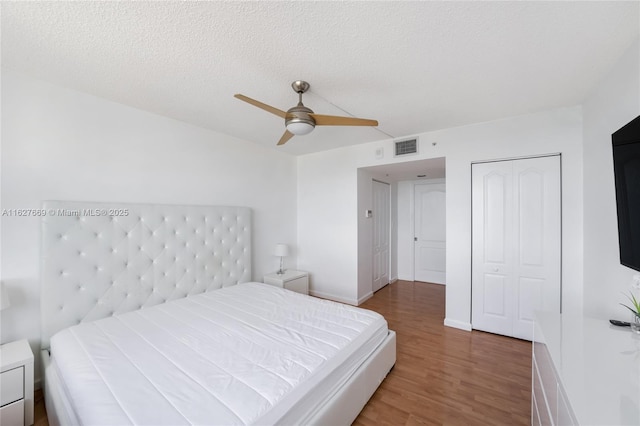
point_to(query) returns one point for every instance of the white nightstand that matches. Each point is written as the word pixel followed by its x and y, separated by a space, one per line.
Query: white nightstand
pixel 16 384
pixel 291 280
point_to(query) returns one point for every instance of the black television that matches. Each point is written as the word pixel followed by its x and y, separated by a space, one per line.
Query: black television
pixel 626 168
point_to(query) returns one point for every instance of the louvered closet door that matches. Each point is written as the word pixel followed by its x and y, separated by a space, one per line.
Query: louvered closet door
pixel 516 243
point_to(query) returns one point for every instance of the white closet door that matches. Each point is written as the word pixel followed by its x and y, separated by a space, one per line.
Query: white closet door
pixel 538 234
pixel 381 233
pixel 516 243
pixel 492 259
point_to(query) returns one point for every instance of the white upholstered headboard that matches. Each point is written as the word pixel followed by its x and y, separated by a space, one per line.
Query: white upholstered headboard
pixel 101 259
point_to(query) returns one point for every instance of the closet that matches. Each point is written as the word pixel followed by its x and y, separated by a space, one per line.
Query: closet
pixel 516 243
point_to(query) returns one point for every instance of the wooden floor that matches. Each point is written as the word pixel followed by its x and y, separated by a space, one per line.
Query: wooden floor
pixel 442 375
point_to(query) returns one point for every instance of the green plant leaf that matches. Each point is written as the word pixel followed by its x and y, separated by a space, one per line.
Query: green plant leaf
pixel 634 312
pixel 634 302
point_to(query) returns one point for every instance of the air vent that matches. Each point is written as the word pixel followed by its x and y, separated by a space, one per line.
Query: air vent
pixel 406 147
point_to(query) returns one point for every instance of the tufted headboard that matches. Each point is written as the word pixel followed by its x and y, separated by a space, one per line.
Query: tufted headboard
pixel 101 259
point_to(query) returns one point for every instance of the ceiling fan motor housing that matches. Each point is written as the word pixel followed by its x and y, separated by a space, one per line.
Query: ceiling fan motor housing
pixel 299 121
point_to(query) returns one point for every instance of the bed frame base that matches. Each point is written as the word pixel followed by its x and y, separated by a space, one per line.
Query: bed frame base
pixel 59 412
pixel 348 402
pixel 341 409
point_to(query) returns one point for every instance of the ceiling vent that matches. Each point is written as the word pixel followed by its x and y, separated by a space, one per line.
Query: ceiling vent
pixel 406 147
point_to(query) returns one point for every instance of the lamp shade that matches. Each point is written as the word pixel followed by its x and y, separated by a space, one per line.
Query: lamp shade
pixel 281 250
pixel 299 127
pixel 4 297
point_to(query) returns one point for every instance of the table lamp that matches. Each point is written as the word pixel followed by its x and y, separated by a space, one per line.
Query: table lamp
pixel 281 250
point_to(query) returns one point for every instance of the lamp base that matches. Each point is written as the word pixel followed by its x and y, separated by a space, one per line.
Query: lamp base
pixel 281 270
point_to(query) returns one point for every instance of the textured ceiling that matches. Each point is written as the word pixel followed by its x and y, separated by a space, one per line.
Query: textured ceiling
pixel 413 66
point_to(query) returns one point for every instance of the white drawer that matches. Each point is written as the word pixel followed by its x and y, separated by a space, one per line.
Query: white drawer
pixel 12 414
pixel 535 418
pixel 11 385
pixel 273 281
pixel 300 285
pixel 543 414
pixel 547 376
pixel 565 414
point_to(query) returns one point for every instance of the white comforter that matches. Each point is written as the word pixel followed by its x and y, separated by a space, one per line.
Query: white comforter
pixel 247 354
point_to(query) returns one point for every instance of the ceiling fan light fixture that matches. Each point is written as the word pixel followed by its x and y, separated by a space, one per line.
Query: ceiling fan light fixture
pixel 300 120
pixel 300 127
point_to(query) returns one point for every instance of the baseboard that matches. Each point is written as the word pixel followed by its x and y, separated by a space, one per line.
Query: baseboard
pixel 333 297
pixel 393 280
pixel 457 324
pixel 37 383
pixel 365 298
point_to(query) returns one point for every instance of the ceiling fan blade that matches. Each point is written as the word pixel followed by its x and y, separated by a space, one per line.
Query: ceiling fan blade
pixel 287 135
pixel 259 104
pixel 333 120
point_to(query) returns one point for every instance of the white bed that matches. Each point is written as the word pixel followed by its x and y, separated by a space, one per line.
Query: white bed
pixel 219 351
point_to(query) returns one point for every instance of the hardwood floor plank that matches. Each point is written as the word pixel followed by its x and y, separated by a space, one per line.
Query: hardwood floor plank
pixel 444 375
pixel 39 412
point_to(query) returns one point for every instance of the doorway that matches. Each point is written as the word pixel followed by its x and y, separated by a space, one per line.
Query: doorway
pixel 400 179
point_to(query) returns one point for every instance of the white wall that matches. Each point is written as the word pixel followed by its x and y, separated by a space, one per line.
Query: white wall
pixel 393 270
pixel 613 103
pixel 59 144
pixel 328 223
pixel 327 188
pixel 406 269
pixel 365 236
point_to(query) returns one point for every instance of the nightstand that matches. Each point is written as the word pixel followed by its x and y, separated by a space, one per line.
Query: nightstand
pixel 291 280
pixel 16 384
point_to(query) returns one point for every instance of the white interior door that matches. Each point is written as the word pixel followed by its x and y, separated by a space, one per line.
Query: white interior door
pixel 430 233
pixel 381 234
pixel 537 228
pixel 516 252
pixel 492 250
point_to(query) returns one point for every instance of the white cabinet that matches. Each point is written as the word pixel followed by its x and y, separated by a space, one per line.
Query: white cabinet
pixel 585 372
pixel 297 281
pixel 516 246
pixel 16 384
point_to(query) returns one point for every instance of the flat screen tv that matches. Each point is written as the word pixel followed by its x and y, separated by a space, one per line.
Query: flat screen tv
pixel 626 167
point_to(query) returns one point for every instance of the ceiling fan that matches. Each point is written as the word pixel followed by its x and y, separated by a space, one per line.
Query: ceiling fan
pixel 300 120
